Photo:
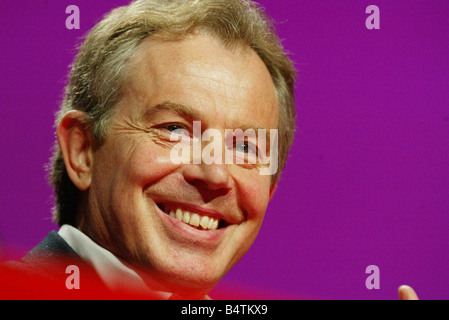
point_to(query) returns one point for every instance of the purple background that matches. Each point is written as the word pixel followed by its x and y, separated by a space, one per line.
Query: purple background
pixel 367 181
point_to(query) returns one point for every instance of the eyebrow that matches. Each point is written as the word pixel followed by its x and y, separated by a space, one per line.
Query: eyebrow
pixel 185 111
pixel 191 113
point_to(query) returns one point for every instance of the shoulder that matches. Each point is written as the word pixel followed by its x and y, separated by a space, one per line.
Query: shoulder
pixel 42 272
pixel 45 258
pixel 53 246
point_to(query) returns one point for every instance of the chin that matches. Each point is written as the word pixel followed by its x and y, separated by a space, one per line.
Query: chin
pixel 195 283
pixel 190 276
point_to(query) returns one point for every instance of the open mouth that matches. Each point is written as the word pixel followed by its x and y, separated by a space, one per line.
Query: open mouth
pixel 196 220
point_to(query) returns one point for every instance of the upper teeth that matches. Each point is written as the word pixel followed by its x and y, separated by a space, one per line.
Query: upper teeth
pixel 194 219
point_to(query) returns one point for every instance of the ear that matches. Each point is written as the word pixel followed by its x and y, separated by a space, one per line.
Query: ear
pixel 273 188
pixel 76 146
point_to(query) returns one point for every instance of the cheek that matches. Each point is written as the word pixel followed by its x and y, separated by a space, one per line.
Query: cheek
pixel 123 171
pixel 147 163
pixel 254 191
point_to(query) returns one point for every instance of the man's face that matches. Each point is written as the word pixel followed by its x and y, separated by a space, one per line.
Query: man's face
pixel 135 185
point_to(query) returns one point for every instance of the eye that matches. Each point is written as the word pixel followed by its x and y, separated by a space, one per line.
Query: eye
pixel 174 127
pixel 174 131
pixel 242 147
pixel 246 148
pixel 245 152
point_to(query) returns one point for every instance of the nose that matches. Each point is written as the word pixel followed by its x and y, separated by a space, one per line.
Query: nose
pixel 213 177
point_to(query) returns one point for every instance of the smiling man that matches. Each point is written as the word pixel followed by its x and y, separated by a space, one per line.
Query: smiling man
pixel 131 185
pixel 132 220
pixel 145 73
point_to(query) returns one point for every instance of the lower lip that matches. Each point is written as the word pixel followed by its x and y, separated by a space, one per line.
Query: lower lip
pixel 186 233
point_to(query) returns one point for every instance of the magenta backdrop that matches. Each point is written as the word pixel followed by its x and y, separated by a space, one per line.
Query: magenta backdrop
pixel 367 180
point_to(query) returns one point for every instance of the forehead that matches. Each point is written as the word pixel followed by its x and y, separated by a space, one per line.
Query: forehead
pixel 230 86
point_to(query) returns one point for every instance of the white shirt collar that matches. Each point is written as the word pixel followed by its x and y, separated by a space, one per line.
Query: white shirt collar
pixel 113 271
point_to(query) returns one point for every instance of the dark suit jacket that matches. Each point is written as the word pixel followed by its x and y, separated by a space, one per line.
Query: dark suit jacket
pixel 42 274
pixel 47 257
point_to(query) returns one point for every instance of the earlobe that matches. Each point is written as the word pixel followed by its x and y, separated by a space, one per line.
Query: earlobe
pixel 75 143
